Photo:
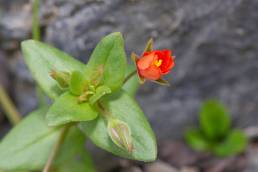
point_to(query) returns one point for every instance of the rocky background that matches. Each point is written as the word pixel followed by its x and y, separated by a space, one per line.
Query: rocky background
pixel 215 43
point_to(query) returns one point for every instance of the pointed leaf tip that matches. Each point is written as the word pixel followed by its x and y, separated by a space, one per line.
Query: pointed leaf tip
pixel 149 46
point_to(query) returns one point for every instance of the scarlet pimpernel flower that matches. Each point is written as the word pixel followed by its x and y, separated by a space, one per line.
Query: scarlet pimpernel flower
pixel 154 64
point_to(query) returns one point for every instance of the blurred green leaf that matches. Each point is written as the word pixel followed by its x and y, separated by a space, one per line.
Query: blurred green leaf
pixel 235 143
pixel 124 108
pixel 80 163
pixel 42 58
pixel 109 56
pixel 196 140
pixel 214 120
pixel 73 155
pixel 131 85
pixel 66 109
pixel 29 139
pixel 28 145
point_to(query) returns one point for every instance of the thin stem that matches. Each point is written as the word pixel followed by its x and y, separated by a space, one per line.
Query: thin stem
pixel 105 112
pixel 56 148
pixel 130 76
pixel 36 35
pixel 9 108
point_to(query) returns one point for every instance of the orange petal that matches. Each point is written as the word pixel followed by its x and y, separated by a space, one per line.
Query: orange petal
pixel 151 73
pixel 145 61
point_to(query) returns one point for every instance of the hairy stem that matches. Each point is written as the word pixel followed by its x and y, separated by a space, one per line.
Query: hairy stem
pixel 130 76
pixel 56 148
pixel 9 108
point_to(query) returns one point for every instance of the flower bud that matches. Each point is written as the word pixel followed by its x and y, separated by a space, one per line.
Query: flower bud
pixel 63 78
pixel 120 134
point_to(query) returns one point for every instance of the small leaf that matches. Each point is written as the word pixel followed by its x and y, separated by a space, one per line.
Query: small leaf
pixel 109 54
pixel 77 83
pixel 214 120
pixel 124 108
pixel 134 59
pixel 235 143
pixel 149 45
pixel 100 92
pixel 62 78
pixel 131 85
pixel 162 82
pixel 196 140
pixel 67 109
pixel 42 59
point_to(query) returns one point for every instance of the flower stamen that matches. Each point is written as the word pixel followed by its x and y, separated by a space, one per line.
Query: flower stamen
pixel 158 62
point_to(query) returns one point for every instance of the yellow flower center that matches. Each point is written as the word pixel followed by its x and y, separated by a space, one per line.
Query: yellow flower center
pixel 158 62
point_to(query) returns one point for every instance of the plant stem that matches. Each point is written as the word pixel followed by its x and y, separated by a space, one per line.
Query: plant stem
pixel 35 22
pixel 130 76
pixel 56 148
pixel 9 108
pixel 105 112
pixel 36 35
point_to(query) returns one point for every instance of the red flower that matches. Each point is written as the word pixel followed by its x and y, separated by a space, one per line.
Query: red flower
pixel 154 64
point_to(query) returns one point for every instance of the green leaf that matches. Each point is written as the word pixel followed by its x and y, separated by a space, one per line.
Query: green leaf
pixel 100 92
pixel 66 108
pixel 132 84
pixel 42 58
pixel 196 140
pixel 80 163
pixel 28 145
pixel 235 143
pixel 72 155
pixel 214 120
pixel 123 108
pixel 109 55
pixel 29 139
pixel 77 83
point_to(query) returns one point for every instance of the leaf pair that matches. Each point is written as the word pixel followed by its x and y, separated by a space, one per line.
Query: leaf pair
pixel 215 134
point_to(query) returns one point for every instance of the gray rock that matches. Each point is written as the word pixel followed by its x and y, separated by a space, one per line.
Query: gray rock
pixel 15 23
pixel 159 166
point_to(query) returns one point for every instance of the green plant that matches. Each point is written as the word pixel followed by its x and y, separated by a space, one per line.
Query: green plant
pixel 215 133
pixel 93 101
pixel 86 99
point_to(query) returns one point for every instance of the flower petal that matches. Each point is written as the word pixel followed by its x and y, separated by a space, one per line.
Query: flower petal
pixel 145 61
pixel 151 73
